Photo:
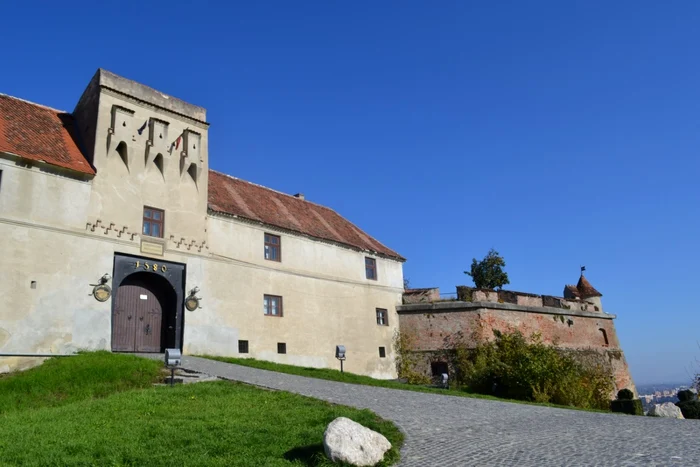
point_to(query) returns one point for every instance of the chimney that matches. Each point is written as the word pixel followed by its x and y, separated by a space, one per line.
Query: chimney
pixel 299 195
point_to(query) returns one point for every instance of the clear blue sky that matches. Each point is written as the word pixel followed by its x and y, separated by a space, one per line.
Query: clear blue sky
pixel 559 133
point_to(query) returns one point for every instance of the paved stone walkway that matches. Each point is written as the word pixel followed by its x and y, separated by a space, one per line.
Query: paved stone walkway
pixel 459 431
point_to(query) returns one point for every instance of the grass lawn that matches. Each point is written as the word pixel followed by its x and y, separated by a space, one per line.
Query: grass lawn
pixel 345 377
pixel 91 421
pixel 64 380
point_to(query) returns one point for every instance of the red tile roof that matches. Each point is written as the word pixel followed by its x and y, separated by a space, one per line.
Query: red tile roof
pixel 40 133
pixel 570 291
pixel 232 196
pixel 586 289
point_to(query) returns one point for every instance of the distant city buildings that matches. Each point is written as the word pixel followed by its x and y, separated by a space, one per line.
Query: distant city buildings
pixel 660 394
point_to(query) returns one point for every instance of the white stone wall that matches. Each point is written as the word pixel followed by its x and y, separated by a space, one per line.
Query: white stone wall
pixel 62 232
pixel 120 190
pixel 33 194
pixel 327 300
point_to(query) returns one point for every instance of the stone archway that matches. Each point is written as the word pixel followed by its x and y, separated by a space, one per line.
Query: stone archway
pixel 147 305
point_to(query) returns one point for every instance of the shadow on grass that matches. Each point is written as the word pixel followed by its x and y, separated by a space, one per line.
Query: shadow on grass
pixel 311 455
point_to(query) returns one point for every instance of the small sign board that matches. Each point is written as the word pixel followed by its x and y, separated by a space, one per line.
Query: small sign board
pixel 151 248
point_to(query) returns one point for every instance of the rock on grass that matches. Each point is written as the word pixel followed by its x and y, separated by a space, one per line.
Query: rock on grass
pixel 350 442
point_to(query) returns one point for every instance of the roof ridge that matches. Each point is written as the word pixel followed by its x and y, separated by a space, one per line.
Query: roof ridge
pixel 371 244
pixel 273 190
pixel 33 103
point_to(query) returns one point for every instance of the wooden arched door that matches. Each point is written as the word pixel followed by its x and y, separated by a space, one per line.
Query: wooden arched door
pixel 137 319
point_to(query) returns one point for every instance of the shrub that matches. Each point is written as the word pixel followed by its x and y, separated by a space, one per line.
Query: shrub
pixel 686 395
pixel 625 395
pixel 464 293
pixel 689 408
pixel 514 367
pixel 406 359
pixel 628 406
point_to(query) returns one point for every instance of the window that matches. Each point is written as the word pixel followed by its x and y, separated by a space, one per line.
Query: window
pixel 281 347
pixel 382 317
pixel 273 247
pixel 272 305
pixel 605 337
pixel 153 222
pixel 371 268
pixel 382 352
pixel 242 346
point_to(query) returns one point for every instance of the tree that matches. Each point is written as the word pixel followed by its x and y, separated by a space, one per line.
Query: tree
pixel 488 273
pixel 406 283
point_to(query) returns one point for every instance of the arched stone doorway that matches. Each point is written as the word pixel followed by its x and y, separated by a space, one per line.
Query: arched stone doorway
pixel 147 305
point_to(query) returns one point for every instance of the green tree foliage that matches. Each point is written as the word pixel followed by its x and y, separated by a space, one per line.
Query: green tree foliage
pixel 488 273
pixel 406 360
pixel 514 367
pixel 626 403
pixel 689 409
pixel 628 406
pixel 689 404
pixel 625 395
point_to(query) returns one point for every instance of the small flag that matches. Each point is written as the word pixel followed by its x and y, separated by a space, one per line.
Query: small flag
pixel 143 127
pixel 583 268
pixel 177 143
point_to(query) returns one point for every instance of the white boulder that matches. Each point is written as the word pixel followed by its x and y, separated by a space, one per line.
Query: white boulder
pixel 667 409
pixel 350 442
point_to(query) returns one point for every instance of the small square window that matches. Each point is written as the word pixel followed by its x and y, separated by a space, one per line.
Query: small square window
pixel 272 305
pixel 153 220
pixel 242 346
pixel 382 317
pixel 382 352
pixel 281 347
pixel 371 268
pixel 273 247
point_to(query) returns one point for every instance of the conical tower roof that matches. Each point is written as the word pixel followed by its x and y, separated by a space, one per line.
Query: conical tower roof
pixel 585 289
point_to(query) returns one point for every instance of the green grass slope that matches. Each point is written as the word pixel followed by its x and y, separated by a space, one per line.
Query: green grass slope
pixel 65 380
pixel 220 423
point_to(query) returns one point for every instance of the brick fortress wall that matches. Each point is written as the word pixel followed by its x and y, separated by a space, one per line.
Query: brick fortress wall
pixel 575 326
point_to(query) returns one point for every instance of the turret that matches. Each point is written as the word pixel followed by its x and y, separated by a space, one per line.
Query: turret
pixel 584 291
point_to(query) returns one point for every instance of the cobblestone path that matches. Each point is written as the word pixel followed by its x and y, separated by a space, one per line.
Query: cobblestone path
pixel 459 431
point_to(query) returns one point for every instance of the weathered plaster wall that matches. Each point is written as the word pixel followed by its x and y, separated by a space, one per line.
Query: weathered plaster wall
pixel 421 295
pixel 326 298
pixel 39 194
pixel 231 238
pixel 140 182
pixel 318 313
pixel 326 301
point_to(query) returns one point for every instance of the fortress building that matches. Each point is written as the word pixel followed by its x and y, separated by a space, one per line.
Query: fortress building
pixel 575 323
pixel 118 236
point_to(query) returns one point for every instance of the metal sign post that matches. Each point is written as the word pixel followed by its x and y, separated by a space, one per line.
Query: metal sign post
pixel 340 355
pixel 173 358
